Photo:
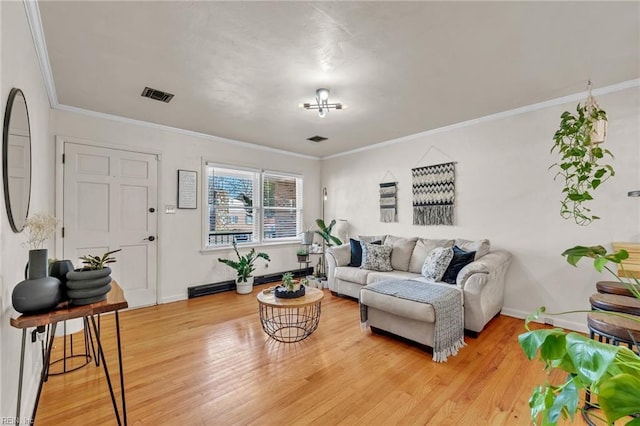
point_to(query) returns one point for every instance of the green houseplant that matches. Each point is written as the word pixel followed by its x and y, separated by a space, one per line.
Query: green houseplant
pixel 303 254
pixel 581 165
pixel 611 373
pixel 92 282
pixel 244 266
pixel 324 231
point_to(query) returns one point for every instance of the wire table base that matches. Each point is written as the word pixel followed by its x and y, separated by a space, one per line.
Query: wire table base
pixel 290 320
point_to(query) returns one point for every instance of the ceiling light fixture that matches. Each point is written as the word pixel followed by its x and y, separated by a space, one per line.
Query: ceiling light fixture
pixel 322 103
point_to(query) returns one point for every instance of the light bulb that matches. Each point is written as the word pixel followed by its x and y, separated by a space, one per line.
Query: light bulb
pixel 323 94
pixel 322 112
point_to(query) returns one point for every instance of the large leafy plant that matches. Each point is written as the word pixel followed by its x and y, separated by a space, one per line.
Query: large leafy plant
pixel 581 166
pixel 612 373
pixel 325 232
pixel 244 266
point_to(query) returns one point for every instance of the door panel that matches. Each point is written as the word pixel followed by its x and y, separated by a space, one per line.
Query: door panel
pixel 107 197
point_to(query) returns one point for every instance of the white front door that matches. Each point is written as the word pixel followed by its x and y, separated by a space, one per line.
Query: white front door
pixel 109 203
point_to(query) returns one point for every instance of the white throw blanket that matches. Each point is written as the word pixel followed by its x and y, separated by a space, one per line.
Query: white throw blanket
pixel 449 325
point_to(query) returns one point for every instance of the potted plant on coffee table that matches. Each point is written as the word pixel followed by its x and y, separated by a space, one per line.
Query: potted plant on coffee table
pixel 290 287
pixel 244 266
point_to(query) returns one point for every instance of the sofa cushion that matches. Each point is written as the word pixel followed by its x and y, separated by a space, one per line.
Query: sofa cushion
pixel 422 248
pixel 436 263
pixel 348 273
pixel 356 251
pixel 401 253
pixel 401 307
pixel 481 247
pixel 372 238
pixel 460 259
pixel 375 276
pixel 376 257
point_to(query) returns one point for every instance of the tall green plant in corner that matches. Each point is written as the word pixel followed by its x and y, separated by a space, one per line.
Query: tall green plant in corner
pixel 581 166
pixel 325 232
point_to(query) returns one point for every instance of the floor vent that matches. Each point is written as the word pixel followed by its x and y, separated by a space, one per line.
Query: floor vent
pixel 157 95
pixel 317 138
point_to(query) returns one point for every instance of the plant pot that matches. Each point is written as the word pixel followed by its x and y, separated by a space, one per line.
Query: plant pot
pixel 282 292
pixel 88 286
pixel 302 257
pixel 307 237
pixel 244 287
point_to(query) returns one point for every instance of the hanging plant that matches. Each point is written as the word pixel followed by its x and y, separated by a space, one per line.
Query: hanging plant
pixel 582 161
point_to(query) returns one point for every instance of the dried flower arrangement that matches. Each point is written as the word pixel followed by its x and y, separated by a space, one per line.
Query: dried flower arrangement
pixel 38 228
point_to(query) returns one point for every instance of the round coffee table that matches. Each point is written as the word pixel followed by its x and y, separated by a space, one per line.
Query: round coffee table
pixel 290 320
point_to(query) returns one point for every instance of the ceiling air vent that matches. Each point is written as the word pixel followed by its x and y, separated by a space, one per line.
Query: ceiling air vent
pixel 317 138
pixel 158 95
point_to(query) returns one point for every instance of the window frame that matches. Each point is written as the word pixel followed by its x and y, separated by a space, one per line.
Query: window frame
pixel 258 219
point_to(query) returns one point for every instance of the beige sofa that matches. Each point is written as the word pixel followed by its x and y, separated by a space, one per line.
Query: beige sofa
pixel 481 284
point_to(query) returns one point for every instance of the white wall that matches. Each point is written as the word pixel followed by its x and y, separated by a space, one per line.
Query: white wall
pixel 181 262
pixel 19 68
pixel 504 192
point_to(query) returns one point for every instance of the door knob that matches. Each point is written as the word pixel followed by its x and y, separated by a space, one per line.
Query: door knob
pixel 150 238
pixel 151 210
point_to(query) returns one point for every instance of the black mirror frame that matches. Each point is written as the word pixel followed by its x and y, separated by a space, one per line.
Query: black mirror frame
pixel 5 158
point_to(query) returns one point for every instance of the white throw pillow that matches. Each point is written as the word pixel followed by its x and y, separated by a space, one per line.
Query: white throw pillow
pixel 437 262
pixel 376 258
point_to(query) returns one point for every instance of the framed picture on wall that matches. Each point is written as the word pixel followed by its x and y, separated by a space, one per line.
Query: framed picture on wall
pixel 187 189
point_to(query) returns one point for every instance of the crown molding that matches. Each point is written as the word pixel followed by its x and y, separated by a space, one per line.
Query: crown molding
pixel 117 118
pixel 497 116
pixel 35 25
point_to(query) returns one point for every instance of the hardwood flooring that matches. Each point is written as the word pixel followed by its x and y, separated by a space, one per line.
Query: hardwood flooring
pixel 206 361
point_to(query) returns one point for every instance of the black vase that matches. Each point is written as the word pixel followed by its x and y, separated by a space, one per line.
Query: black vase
pixel 58 269
pixel 39 292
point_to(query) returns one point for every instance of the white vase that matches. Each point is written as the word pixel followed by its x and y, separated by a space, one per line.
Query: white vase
pixel 244 287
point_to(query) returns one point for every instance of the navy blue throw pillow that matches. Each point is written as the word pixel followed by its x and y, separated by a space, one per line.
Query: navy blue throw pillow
pixel 356 252
pixel 460 259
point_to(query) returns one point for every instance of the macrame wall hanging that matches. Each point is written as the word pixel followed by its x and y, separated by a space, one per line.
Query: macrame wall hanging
pixel 433 194
pixel 388 202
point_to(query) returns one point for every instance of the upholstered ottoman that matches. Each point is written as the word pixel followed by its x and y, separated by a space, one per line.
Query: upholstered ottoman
pixel 411 319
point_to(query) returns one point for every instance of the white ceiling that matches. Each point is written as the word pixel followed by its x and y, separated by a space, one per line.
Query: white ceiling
pixel 239 70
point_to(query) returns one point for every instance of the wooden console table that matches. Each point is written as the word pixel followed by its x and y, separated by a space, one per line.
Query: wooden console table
pixel 115 301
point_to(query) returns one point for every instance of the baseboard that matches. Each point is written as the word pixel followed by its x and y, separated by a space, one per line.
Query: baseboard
pixel 558 321
pixel 219 287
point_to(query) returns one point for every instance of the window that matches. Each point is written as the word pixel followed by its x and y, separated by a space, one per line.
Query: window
pixel 251 206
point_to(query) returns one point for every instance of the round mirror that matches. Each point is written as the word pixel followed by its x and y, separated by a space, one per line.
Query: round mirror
pixel 16 160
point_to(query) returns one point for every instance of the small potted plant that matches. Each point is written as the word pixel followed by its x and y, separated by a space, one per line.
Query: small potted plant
pixel 244 266
pixel 290 288
pixel 92 282
pixel 303 254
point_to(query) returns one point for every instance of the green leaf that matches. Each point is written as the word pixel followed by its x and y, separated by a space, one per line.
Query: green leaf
pixel 600 263
pixel 566 402
pixel 619 396
pixel 531 341
pixel 591 358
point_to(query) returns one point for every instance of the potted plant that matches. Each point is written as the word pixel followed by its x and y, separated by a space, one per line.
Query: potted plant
pixel 580 166
pixel 325 232
pixel 307 237
pixel 303 254
pixel 244 266
pixel 92 282
pixel 611 373
pixel 290 288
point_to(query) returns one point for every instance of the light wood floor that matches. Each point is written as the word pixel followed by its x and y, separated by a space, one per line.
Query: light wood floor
pixel 206 361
